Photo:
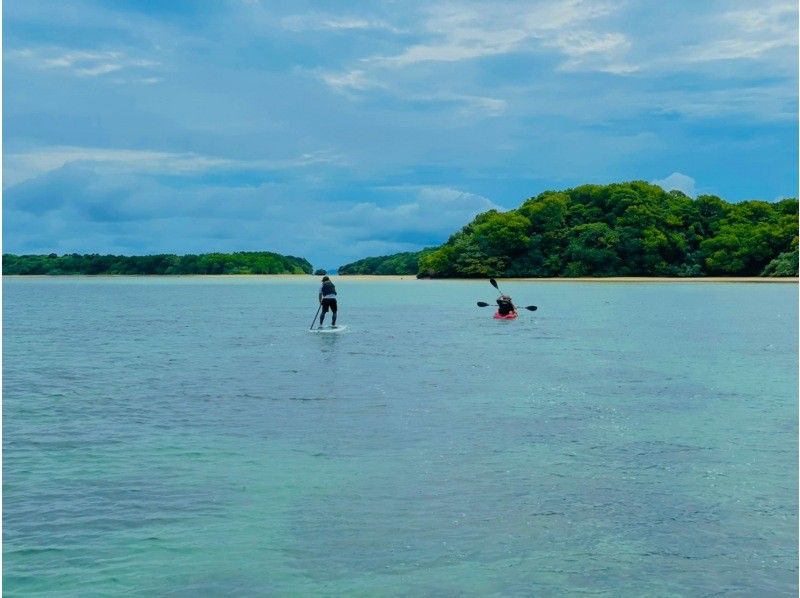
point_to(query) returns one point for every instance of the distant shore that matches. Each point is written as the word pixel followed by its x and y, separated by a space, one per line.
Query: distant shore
pixel 413 278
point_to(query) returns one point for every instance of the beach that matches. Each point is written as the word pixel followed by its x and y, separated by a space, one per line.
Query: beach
pixel 610 279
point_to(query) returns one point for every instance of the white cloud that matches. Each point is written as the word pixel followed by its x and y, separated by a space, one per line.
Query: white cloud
pixel 490 106
pixel 469 105
pixel 80 63
pixel 436 209
pixel 98 69
pixel 133 213
pixel 746 34
pixel 72 58
pixel 733 49
pixel 678 181
pixel 354 79
pixel 582 43
pixel 462 32
pixel 468 44
pixel 591 51
pixel 579 31
pixel 321 21
pixel 21 166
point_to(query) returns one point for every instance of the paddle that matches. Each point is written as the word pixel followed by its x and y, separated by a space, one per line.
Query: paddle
pixel 494 284
pixel 529 307
pixel 315 316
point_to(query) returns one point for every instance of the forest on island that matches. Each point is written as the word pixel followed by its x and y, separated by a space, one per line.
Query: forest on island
pixel 399 263
pixel 623 229
pixel 244 262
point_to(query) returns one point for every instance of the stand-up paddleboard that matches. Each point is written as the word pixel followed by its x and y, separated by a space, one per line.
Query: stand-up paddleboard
pixel 329 329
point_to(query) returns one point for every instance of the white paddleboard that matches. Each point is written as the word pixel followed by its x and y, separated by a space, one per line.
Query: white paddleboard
pixel 328 329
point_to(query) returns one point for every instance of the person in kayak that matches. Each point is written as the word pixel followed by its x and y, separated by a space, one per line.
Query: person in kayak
pixel 327 297
pixel 505 306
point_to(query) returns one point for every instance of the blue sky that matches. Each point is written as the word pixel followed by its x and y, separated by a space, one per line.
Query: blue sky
pixel 340 130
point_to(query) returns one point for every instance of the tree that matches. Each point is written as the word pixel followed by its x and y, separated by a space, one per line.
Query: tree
pixel 592 250
pixel 786 264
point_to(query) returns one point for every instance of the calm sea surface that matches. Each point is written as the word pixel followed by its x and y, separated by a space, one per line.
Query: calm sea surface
pixel 190 437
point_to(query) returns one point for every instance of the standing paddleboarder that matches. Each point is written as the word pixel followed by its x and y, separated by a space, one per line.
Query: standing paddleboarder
pixel 327 297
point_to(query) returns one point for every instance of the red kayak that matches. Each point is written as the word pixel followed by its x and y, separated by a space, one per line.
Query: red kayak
pixel 511 316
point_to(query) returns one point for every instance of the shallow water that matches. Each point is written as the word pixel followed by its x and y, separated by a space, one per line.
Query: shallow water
pixel 189 436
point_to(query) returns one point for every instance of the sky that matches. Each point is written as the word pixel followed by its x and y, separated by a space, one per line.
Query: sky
pixel 340 130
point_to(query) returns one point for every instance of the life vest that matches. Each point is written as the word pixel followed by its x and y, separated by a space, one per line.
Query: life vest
pixel 504 307
pixel 328 288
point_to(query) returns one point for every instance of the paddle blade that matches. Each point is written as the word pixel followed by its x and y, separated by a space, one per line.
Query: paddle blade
pixel 494 283
pixel 531 308
pixel 482 304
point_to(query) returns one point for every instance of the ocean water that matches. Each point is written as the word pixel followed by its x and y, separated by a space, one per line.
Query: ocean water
pixel 190 437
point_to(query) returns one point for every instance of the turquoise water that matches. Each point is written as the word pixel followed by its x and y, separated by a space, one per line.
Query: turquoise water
pixel 189 436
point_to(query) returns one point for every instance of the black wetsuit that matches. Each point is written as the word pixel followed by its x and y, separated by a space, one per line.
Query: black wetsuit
pixel 328 294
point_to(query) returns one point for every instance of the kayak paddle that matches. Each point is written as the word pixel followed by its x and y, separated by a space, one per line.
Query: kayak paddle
pixel 494 284
pixel 529 307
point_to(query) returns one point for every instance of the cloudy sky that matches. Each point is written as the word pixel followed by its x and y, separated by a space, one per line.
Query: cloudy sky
pixel 337 130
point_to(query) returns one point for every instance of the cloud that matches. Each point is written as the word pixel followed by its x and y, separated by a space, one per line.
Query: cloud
pixel 764 103
pixel 465 32
pixel 21 166
pixel 467 105
pixel 79 63
pixel 355 79
pixel 748 34
pixel 722 44
pixel 489 106
pixel 476 43
pixel 582 38
pixel 590 51
pixel 455 33
pixel 70 59
pixel 431 209
pixel 82 209
pixel 322 21
pixel 678 181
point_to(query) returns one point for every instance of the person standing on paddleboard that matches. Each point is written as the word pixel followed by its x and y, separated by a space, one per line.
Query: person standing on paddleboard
pixel 327 297
pixel 505 305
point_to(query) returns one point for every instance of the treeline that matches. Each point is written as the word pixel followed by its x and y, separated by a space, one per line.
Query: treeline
pixel 244 262
pixel 625 229
pixel 399 263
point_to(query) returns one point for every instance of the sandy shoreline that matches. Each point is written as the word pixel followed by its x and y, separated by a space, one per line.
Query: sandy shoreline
pixel 412 278
pixel 787 279
pixel 617 279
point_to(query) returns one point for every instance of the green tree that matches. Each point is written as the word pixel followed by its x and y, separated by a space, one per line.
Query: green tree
pixel 592 250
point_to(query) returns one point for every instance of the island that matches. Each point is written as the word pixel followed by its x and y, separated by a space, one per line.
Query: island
pixel 632 229
pixel 242 262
